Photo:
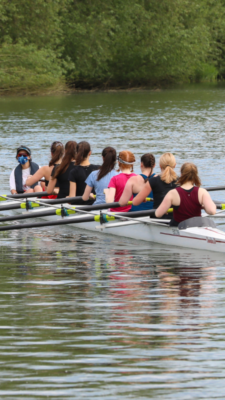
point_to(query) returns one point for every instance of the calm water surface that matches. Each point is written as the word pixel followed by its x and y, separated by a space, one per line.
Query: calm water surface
pixel 93 317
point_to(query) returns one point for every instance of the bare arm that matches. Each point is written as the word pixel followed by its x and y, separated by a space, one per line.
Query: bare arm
pixel 142 195
pixel 110 195
pixel 165 205
pixel 73 189
pixel 41 172
pixel 51 185
pixel 127 193
pixel 13 191
pixel 87 193
pixel 207 202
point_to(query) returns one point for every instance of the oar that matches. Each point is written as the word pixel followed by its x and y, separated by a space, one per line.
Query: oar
pixel 89 218
pixel 63 211
pixel 38 203
pixel 214 188
pixel 27 195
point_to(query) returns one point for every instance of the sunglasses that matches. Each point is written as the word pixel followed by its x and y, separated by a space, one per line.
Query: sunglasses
pixel 22 154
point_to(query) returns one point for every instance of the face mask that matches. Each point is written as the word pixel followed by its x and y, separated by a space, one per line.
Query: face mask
pixel 22 160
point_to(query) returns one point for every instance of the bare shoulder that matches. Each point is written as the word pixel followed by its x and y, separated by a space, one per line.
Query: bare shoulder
pixel 203 191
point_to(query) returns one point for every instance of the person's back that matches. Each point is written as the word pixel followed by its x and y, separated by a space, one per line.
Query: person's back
pixel 187 199
pixel 63 180
pixel 160 184
pixel 117 184
pixel 160 188
pixel 99 186
pixel 60 173
pixel 98 180
pixel 145 205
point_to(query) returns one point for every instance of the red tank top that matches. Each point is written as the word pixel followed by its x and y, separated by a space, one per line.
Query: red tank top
pixel 189 205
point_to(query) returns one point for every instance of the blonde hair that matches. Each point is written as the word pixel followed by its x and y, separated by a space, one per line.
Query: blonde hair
pixel 189 173
pixel 128 157
pixel 167 162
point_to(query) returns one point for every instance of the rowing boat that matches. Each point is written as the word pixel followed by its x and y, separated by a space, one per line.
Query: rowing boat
pixel 201 234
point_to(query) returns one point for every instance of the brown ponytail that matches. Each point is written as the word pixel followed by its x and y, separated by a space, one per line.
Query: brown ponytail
pixel 57 150
pixel 189 173
pixel 168 162
pixel 148 160
pixel 109 160
pixel 83 149
pixel 70 154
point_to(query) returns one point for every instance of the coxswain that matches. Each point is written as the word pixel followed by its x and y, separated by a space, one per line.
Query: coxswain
pixel 135 184
pixel 98 180
pixel 20 174
pixel 161 184
pixel 126 160
pixel 188 198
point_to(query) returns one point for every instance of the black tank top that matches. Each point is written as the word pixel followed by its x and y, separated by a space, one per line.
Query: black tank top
pixel 160 189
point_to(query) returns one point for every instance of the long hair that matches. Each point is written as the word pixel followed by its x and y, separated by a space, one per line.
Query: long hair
pixel 148 160
pixel 109 160
pixel 189 173
pixel 126 159
pixel 70 154
pixel 167 162
pixel 57 151
pixel 83 149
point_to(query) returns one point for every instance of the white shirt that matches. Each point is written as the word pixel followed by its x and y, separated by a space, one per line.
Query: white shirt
pixel 25 174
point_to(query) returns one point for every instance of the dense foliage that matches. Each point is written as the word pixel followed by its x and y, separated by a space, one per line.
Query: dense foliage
pixel 120 43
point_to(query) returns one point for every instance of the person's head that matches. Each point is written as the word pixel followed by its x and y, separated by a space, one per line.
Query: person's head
pixel 148 161
pixel 23 154
pixel 109 161
pixel 57 151
pixel 69 156
pixel 126 159
pixel 189 173
pixel 167 163
pixel 83 151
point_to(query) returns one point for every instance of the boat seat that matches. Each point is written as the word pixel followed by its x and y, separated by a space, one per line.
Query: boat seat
pixel 197 222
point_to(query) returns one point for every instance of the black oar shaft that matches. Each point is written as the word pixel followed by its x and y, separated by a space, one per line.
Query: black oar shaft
pixel 48 223
pixel 27 195
pixel 28 215
pixel 214 188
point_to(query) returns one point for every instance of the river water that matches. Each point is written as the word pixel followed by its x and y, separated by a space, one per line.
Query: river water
pixel 93 317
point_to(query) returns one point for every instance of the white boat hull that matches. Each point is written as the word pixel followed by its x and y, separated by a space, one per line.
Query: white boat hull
pixel 204 238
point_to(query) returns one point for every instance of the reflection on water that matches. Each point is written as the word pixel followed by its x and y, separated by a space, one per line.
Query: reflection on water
pixel 88 316
pixel 84 316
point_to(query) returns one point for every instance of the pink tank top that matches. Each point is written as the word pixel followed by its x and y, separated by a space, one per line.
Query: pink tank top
pixel 189 205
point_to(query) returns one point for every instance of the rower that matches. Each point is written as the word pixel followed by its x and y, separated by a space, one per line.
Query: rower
pixel 99 180
pixel 60 173
pixel 20 174
pixel 135 184
pixel 161 184
pixel 81 171
pixel 188 199
pixel 57 151
pixel 126 160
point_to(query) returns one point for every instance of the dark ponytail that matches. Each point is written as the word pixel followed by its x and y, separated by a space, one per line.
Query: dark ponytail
pixel 70 154
pixel 148 160
pixel 57 150
pixel 109 161
pixel 83 149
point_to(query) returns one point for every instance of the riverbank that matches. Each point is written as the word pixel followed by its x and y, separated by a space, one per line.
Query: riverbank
pixel 63 89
